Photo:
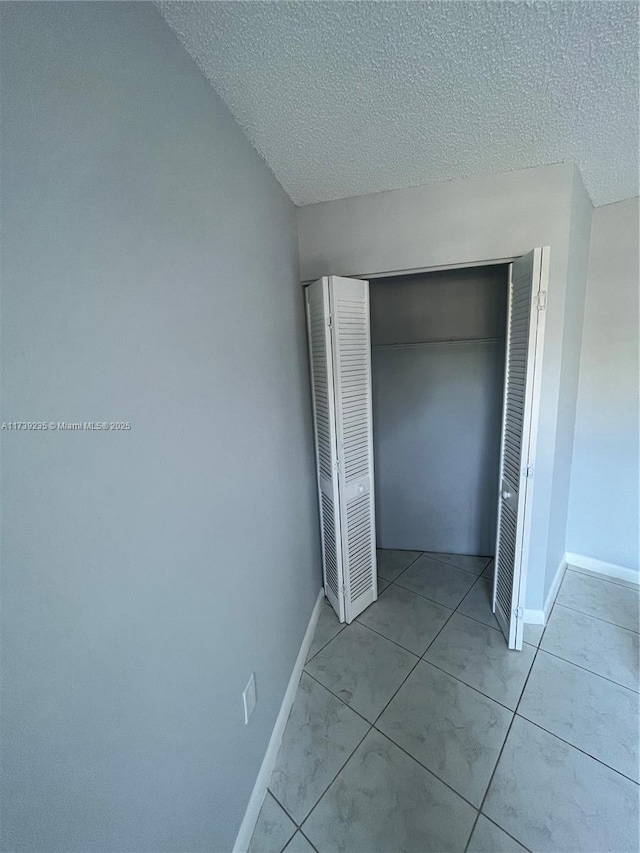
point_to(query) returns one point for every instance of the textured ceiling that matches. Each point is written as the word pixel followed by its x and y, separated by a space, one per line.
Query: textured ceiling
pixel 348 98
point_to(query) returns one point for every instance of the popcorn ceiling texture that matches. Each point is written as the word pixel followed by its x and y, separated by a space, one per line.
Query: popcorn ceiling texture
pixel 347 98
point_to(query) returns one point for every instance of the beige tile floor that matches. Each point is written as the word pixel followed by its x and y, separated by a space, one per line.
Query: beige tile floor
pixel 416 729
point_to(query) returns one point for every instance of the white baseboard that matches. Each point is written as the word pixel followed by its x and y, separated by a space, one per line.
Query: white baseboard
pixel 554 588
pixel 540 617
pixel 268 762
pixel 590 566
pixel 533 617
pixel 599 567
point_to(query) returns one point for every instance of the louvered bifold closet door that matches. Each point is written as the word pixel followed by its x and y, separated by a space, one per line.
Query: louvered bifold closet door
pixel 525 334
pixel 349 299
pixel 323 396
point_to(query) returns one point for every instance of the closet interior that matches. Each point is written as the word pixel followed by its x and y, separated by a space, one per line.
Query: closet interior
pixel 438 362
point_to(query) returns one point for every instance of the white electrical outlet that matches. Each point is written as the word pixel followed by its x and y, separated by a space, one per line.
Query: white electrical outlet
pixel 249 698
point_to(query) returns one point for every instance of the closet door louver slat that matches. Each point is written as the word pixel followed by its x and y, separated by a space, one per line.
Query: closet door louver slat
pixel 525 332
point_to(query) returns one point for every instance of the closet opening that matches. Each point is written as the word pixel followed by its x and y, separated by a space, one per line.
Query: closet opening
pixel 438 375
pixel 426 395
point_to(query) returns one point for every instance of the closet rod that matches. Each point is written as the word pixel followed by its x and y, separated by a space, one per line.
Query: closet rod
pixel 450 342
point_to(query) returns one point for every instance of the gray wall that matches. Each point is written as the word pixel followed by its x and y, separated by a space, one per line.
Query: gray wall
pixel 465 222
pixel 150 275
pixel 438 373
pixel 604 514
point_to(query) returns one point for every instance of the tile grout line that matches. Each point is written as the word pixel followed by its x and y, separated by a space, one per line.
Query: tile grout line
pixel 389 640
pixel 504 743
pixel 375 726
pixel 455 609
pixel 422 595
pixel 326 644
pixel 313 847
pixel 606 621
pixel 542 728
pixel 339 631
pixel 486 817
pixel 586 669
pixel 573 746
pixel 340 769
pixel 372 726
pixel 335 695
pixel 470 686
pixel 412 758
pixel 424 767
pixel 433 601
pixel 634 587
pixel 421 657
pixel 514 713
pixel 396 692
pixel 342 766
pixel 420 554
pixel 454 566
pixel 448 565
pixel 269 791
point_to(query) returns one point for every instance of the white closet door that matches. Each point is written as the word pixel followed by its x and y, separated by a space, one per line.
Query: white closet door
pixel 528 278
pixel 349 300
pixel 340 353
pixel 322 387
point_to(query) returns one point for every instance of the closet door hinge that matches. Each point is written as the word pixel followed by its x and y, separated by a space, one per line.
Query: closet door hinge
pixel 518 612
pixel 330 320
pixel 528 472
pixel 541 300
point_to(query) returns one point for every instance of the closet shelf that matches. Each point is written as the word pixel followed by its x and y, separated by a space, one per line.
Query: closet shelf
pixel 449 342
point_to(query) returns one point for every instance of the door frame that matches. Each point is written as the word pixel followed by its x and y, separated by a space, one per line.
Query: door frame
pixel 532 438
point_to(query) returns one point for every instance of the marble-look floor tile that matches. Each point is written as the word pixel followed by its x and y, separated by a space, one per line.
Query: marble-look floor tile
pixel 555 799
pixel 467 562
pixel 299 844
pixel 597 716
pixel 392 563
pixel 478 655
pixel 477 603
pixel 362 668
pixel 384 802
pixel 596 645
pixel 599 598
pixel 533 634
pixel 443 584
pixel 488 572
pixel 406 618
pixel 489 838
pixel 320 735
pixel 451 729
pixel 327 628
pixel 273 829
